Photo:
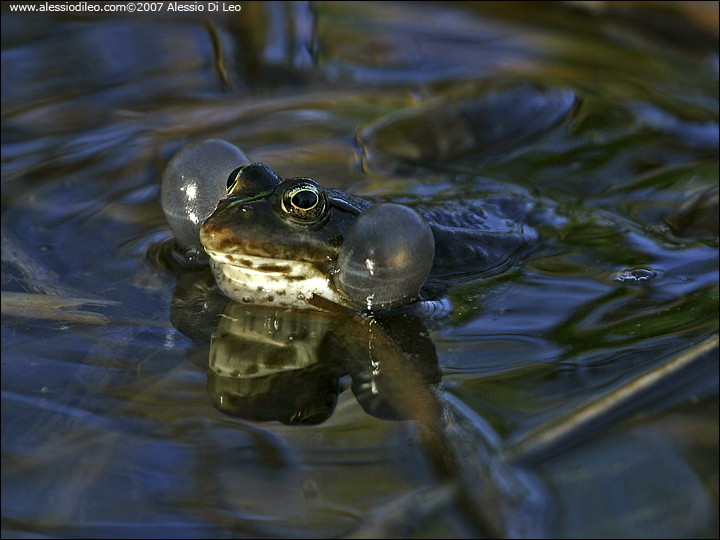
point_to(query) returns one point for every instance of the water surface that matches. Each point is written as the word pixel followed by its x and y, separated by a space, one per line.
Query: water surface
pixel 107 425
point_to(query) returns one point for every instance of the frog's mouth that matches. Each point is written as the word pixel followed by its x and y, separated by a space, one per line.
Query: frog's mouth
pixel 258 280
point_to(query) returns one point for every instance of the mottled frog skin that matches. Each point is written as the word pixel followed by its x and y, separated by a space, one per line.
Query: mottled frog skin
pixel 279 242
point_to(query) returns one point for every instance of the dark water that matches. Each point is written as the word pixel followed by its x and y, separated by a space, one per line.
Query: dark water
pixel 579 387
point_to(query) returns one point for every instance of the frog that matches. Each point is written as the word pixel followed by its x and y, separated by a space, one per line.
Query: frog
pixel 287 242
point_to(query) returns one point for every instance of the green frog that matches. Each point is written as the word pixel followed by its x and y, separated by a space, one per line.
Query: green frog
pixel 282 242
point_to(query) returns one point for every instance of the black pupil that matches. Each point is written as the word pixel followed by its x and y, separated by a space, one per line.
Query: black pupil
pixel 304 199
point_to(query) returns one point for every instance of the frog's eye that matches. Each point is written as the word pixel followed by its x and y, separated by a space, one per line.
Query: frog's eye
pixel 233 178
pixel 304 201
pixel 251 179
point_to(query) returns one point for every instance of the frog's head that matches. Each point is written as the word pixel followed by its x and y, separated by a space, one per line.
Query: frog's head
pixel 274 241
pixel 292 220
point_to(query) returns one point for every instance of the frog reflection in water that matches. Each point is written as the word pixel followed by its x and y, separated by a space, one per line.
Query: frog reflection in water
pixel 275 242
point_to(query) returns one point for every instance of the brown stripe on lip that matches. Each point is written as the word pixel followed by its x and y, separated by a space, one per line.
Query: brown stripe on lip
pixel 240 261
pixel 277 268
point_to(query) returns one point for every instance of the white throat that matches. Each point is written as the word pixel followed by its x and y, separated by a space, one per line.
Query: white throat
pixel 265 281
